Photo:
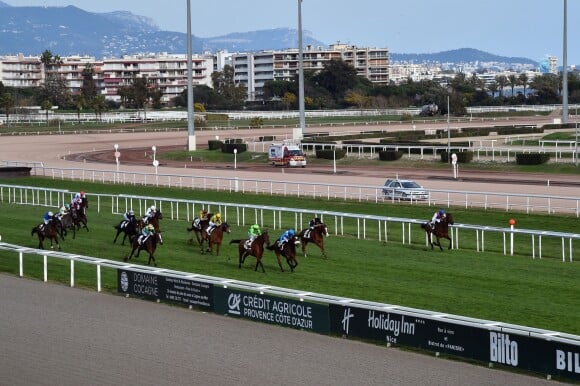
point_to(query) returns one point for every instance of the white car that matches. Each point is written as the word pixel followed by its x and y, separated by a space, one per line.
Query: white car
pixel 404 190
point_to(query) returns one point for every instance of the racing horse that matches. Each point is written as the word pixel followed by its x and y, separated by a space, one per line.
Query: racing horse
pixel 129 229
pixel 197 226
pixel 67 222
pixel 288 251
pixel 153 221
pixel 441 231
pixel 315 236
pixel 214 238
pixel 49 231
pixel 256 249
pixel 149 245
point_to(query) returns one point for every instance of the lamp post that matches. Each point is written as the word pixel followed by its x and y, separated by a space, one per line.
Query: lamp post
pixel 300 76
pixel 576 142
pixel 117 155
pixel 448 132
pixel 235 158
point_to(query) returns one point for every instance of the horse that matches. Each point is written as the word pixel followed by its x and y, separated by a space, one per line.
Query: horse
pixel 49 231
pixel 441 231
pixel 315 235
pixel 79 218
pixel 153 221
pixel 149 245
pixel 214 238
pixel 67 222
pixel 288 251
pixel 197 226
pixel 256 249
pixel 130 229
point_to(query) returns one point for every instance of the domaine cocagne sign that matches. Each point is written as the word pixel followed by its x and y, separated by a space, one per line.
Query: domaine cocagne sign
pixel 159 287
pixel 271 309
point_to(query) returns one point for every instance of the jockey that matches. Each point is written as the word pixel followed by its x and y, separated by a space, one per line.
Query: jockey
pixel 214 221
pixel 253 232
pixel 76 202
pixel 203 215
pixel 145 233
pixel 284 237
pixel 63 211
pixel 315 221
pixel 128 217
pixel 437 217
pixel 151 211
pixel 46 219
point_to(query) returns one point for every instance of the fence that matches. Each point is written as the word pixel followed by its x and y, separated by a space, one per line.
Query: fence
pixel 529 349
pixel 380 228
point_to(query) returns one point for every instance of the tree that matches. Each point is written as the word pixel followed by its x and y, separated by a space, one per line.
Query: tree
pixel 289 99
pixel 46 105
pixel 226 94
pixel 88 89
pixel 99 105
pixel 337 77
pixel 141 94
pixel 493 87
pixel 7 104
pixel 79 102
pixel 524 79
pixel 502 82
pixel 513 82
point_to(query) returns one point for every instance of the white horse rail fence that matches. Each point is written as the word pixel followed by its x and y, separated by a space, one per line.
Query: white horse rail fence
pixel 534 243
pixel 528 203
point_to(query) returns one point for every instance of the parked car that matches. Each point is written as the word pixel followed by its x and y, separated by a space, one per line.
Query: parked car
pixel 404 190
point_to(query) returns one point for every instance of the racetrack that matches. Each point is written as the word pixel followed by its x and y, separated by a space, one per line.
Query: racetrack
pixel 55 335
pixel 52 334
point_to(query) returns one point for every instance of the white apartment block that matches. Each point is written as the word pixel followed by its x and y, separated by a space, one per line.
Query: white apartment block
pixel 168 72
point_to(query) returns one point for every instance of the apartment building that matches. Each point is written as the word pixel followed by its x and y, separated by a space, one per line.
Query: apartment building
pixel 21 71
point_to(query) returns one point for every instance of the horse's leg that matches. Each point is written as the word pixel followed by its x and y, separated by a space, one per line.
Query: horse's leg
pixel 279 262
pixel 304 243
pixel 117 235
pixel 450 242
pixel 321 246
pixel 438 243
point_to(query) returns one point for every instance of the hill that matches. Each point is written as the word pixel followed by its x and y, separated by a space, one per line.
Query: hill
pixel 72 31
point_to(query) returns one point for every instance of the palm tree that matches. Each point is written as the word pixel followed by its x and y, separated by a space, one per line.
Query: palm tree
pixel 80 103
pixel 99 105
pixel 493 87
pixel 502 82
pixel 513 81
pixel 524 79
pixel 46 105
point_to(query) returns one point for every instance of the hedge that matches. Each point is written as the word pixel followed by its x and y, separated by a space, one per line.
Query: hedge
pixel 532 158
pixel 390 155
pixel 329 154
pixel 462 156
pixel 214 144
pixel 229 147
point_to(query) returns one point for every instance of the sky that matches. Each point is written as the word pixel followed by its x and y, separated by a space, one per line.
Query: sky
pixel 525 28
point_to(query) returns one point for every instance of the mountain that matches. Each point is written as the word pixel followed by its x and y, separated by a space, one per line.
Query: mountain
pixel 72 31
pixel 462 55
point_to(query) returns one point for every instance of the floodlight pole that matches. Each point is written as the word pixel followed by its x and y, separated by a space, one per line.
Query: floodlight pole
pixel 190 109
pixel 564 67
pixel 448 133
pixel 300 74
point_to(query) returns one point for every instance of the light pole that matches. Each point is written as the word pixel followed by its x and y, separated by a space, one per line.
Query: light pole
pixel 117 155
pixel 576 142
pixel 300 75
pixel 448 133
pixel 235 158
pixel 192 146
pixel 564 66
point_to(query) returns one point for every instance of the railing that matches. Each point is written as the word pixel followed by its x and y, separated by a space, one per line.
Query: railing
pixel 528 203
pixel 380 228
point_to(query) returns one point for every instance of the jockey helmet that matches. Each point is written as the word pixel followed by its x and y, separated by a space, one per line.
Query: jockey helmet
pixel 66 206
pixel 291 232
pixel 153 207
pixel 151 227
pixel 131 212
pixel 78 195
pixel 50 214
pixel 82 193
pixel 441 212
pixel 218 216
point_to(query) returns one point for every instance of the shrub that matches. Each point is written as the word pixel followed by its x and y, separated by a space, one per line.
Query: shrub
pixel 267 138
pixel 229 147
pixel 390 155
pixel 214 144
pixel 532 158
pixel 406 117
pixel 256 122
pixel 329 154
pixel 462 156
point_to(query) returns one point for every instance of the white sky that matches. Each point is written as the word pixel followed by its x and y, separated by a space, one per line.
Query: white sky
pixel 527 28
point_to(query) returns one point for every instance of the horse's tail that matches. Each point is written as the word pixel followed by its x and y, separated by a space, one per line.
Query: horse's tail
pixel 189 229
pixel 424 225
pixel 235 241
pixel 271 247
pixel 34 230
